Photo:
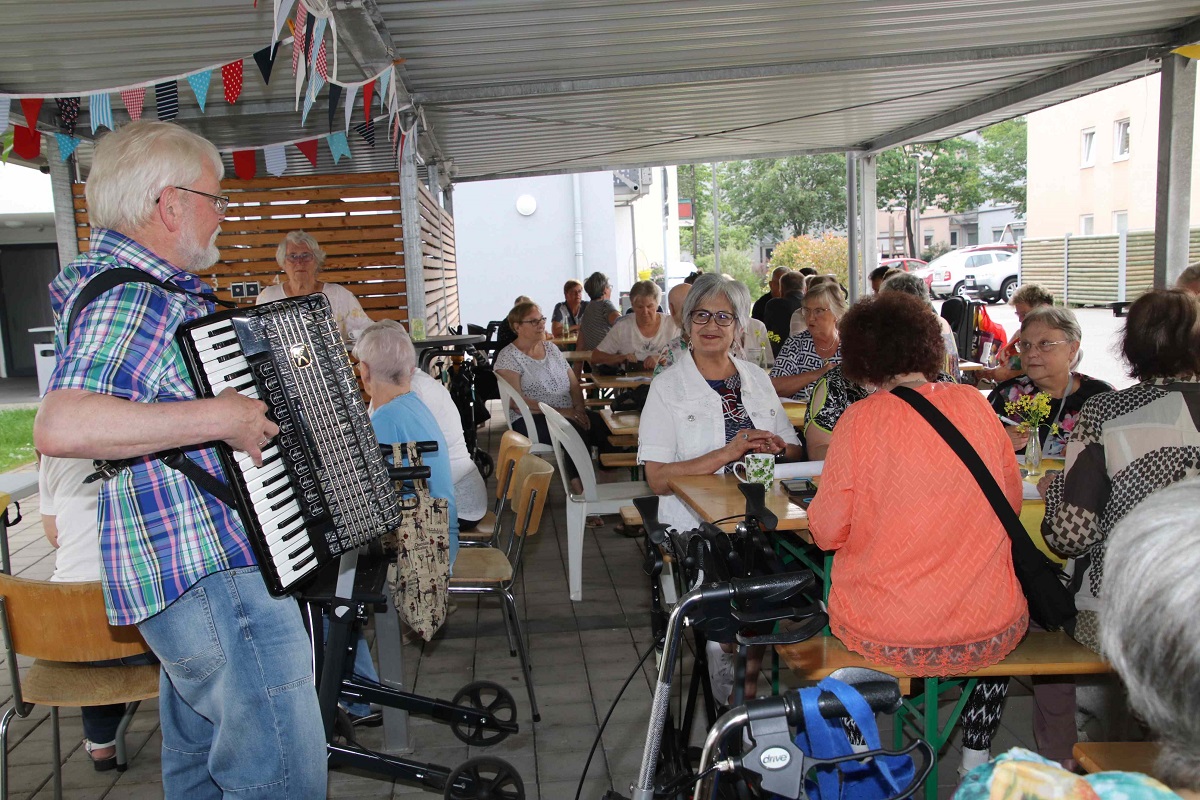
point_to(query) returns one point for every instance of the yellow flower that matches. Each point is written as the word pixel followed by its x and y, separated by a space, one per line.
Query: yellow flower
pixel 1030 410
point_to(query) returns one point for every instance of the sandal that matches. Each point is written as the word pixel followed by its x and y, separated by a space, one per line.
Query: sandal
pixel 595 521
pixel 102 763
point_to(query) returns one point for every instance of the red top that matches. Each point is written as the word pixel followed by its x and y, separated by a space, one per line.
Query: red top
pixel 923 574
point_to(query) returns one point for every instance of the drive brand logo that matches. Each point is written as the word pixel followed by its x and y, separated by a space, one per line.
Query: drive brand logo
pixel 775 758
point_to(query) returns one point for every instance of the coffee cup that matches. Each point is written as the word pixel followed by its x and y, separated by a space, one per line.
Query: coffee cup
pixel 756 468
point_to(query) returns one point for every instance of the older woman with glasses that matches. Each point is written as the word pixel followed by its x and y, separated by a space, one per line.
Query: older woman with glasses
pixel 1049 347
pixel 301 259
pixel 637 339
pixel 808 355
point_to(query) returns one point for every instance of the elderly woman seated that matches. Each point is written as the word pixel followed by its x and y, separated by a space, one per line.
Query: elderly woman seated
pixel 1008 360
pixel 639 338
pixel 302 259
pixel 598 318
pixel 808 355
pixel 923 567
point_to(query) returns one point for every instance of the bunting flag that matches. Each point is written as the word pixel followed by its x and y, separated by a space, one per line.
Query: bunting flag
pixel 314 87
pixel 309 149
pixel 338 146
pixel 300 75
pixel 368 93
pixel 385 80
pixel 282 9
pixel 31 106
pixel 100 111
pixel 68 113
pixel 265 59
pixel 66 145
pixel 351 90
pixel 276 159
pixel 231 76
pixel 309 26
pixel 299 34
pixel 5 105
pixel 335 94
pixel 27 142
pixel 134 99
pixel 322 66
pixel 315 42
pixel 166 100
pixel 367 131
pixel 199 82
pixel 245 164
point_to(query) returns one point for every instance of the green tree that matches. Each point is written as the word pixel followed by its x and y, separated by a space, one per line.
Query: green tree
pixel 698 240
pixel 828 254
pixel 738 265
pixel 1004 157
pixel 781 197
pixel 951 179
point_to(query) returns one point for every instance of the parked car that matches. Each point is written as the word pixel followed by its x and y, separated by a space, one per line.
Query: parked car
pixel 914 265
pixel 995 282
pixel 950 270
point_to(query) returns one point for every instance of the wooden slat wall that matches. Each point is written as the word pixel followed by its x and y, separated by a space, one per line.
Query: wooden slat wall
pixel 1042 263
pixel 1092 270
pixel 440 266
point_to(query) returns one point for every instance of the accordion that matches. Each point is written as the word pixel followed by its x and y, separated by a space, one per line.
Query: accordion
pixel 323 488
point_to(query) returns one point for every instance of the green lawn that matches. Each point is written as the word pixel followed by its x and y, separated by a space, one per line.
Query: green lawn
pixel 16 437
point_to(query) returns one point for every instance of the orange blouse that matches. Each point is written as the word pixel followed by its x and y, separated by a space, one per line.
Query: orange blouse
pixel 923 574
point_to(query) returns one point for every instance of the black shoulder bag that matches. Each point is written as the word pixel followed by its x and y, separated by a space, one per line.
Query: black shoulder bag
pixel 1051 600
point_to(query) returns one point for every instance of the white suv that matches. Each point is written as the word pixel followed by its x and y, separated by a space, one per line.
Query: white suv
pixel 950 270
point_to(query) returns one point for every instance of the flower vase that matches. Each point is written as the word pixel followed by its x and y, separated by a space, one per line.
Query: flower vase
pixel 1033 454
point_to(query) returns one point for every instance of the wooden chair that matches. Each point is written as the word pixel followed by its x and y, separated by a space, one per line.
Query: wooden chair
pixel 606 498
pixel 489 570
pixel 61 625
pixel 513 446
pixel 510 395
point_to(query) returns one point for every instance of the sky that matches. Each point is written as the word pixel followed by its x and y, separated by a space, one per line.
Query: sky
pixel 24 190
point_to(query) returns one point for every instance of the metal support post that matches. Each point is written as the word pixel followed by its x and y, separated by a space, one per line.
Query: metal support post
pixel 870 215
pixel 716 222
pixel 410 208
pixel 1177 110
pixel 852 220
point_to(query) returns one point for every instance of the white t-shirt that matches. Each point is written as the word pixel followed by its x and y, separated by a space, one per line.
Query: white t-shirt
pixel 351 319
pixel 470 493
pixel 547 380
pixel 626 338
pixel 73 503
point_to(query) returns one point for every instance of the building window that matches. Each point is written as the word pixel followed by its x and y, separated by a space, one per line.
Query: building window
pixel 1120 221
pixel 1087 225
pixel 1121 140
pixel 1018 232
pixel 1087 148
pixel 928 237
pixel 997 234
pixel 954 238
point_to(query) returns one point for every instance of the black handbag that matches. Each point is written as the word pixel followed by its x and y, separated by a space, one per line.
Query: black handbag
pixel 1047 589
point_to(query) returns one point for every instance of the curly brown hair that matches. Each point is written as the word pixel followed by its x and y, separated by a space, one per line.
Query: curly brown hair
pixel 888 335
pixel 1162 337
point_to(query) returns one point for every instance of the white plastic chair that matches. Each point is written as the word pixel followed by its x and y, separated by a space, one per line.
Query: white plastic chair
pixel 605 498
pixel 510 395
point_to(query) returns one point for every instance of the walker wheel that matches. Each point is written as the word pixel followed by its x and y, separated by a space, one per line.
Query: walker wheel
pixel 485 778
pixel 488 697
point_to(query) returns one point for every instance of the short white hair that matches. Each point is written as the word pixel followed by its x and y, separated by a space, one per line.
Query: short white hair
pixel 386 348
pixel 301 238
pixel 712 285
pixel 132 166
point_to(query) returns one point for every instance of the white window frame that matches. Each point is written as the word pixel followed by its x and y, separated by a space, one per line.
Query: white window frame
pixel 1116 227
pixel 1117 137
pixel 1087 148
pixel 1086 222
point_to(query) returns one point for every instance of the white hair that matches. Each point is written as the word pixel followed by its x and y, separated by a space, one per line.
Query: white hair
pixel 710 285
pixel 386 348
pixel 132 166
pixel 303 239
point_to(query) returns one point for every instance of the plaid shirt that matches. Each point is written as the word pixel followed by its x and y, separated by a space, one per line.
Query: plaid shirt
pixel 159 533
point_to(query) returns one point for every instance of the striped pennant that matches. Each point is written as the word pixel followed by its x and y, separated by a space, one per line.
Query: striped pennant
pixel 367 131
pixel 5 108
pixel 100 111
pixel 314 87
pixel 134 99
pixel 199 83
pixel 276 159
pixel 166 100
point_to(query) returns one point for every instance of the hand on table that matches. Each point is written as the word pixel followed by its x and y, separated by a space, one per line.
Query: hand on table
pixel 755 441
pixel 652 361
pixel 249 430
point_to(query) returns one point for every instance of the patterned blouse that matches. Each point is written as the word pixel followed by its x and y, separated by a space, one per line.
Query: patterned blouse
pixel 547 380
pixel 1065 410
pixel 799 355
pixel 736 418
pixel 833 393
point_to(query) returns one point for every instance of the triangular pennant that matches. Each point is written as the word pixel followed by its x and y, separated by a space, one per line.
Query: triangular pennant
pixel 322 65
pixel 351 90
pixel 231 77
pixel 385 79
pixel 166 100
pixel 265 59
pixel 338 146
pixel 309 148
pixel 199 83
pixel 300 75
pixel 27 142
pixel 314 87
pixel 368 93
pixel 314 43
pixel 282 9
pixel 245 165
pixel 100 111
pixel 367 131
pixel 299 34
pixel 66 145
pixel 335 94
pixel 5 105
pixel 31 106
pixel 276 159
pixel 396 130
pixel 310 22
pixel 134 99
pixel 68 113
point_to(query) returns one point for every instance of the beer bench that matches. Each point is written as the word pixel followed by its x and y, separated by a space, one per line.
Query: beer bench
pixel 1121 756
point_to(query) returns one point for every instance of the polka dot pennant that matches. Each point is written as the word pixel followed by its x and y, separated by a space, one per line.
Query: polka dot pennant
pixel 231 75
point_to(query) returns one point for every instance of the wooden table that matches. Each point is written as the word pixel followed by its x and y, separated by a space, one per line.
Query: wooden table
pixel 1120 756
pixel 970 366
pixel 1033 511
pixel 564 342
pixel 578 355
pixel 795 411
pixel 621 423
pixel 613 382
pixel 715 497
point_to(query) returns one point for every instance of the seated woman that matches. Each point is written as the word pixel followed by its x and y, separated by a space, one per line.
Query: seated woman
pixel 709 409
pixel 301 259
pixel 1049 345
pixel 569 313
pixel 922 576
pixel 639 338
pixel 598 318
pixel 505 335
pixel 1027 298
pixel 808 355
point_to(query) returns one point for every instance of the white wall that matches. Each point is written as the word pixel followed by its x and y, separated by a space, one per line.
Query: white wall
pixel 502 254
pixel 647 216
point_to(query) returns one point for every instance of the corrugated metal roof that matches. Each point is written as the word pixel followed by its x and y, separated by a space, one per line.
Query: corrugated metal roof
pixel 543 86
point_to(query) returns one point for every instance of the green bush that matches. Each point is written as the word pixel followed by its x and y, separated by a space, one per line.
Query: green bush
pixel 828 255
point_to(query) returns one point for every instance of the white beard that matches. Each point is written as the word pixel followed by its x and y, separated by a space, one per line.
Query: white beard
pixel 199 257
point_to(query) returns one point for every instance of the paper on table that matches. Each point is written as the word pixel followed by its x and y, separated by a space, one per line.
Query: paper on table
pixel 1028 490
pixel 633 379
pixel 799 469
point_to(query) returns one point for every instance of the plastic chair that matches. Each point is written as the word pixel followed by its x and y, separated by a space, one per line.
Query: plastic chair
pixel 508 394
pixel 60 625
pixel 488 570
pixel 513 446
pixel 605 498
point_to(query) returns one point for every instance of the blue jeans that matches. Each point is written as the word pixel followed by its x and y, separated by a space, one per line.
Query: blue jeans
pixel 238 703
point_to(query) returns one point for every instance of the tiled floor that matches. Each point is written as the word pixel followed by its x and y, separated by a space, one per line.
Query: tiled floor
pixel 581 654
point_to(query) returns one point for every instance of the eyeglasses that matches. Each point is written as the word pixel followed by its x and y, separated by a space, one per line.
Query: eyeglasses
pixel 220 202
pixel 1038 347
pixel 299 258
pixel 723 318
pixel 538 321
pixel 813 312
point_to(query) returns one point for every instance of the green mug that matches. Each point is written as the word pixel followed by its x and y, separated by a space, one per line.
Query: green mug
pixel 757 468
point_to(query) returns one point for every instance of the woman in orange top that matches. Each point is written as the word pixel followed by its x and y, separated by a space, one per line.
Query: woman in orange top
pixel 923 577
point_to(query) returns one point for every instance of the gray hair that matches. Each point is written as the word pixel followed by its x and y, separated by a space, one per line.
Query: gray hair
pixel 1189 279
pixel 908 283
pixel 645 289
pixel 833 294
pixel 300 239
pixel 132 166
pixel 387 349
pixel 708 286
pixel 1148 628
pixel 1057 317
pixel 595 285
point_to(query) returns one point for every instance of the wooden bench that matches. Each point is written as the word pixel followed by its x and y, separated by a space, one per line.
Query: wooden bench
pixel 627 460
pixel 1039 653
pixel 630 516
pixel 1119 756
pixel 623 441
pixel 597 402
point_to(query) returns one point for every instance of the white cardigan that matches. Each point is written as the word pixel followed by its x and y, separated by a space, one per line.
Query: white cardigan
pixel 683 420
